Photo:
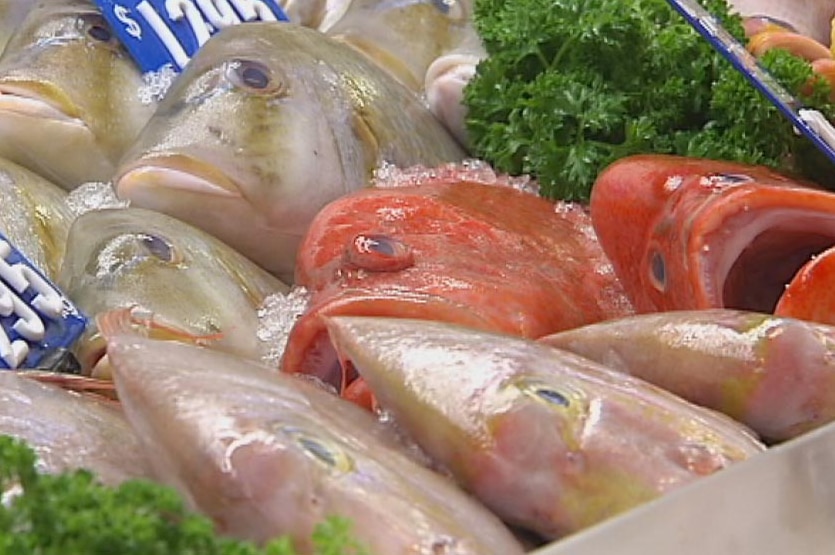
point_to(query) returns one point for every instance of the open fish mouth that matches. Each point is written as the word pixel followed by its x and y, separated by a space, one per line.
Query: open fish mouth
pixel 175 171
pixel 38 100
pixel 750 259
pixel 310 350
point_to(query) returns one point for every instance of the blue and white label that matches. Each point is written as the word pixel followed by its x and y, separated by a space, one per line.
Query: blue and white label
pixel 35 317
pixel 169 32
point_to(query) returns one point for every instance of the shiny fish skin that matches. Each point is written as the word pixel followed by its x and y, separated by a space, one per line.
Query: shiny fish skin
pixel 184 278
pixel 548 440
pixel 34 216
pixel 69 100
pixel 777 375
pixel 69 431
pixel 265 454
pixel 267 124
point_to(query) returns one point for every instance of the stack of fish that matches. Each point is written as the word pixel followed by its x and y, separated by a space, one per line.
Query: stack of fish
pixel 521 364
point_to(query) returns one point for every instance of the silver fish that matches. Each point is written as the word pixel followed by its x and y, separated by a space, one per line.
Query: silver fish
pixel 267 124
pixel 69 94
pixel 265 454
pixel 69 431
pixel 548 440
pixel 34 216
pixel 180 281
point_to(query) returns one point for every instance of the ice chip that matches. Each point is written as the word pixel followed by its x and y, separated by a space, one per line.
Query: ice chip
pixel 389 175
pixel 277 315
pixel 155 84
pixel 94 195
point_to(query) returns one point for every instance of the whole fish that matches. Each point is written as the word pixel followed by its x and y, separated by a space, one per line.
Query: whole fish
pixel 34 216
pixel 265 454
pixel 454 244
pixel 405 36
pixel 548 440
pixel 70 431
pixel 777 375
pixel 267 124
pixel 69 94
pixel 688 233
pixel 180 281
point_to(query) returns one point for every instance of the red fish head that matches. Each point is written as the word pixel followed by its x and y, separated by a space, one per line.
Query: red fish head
pixel 483 256
pixel 686 233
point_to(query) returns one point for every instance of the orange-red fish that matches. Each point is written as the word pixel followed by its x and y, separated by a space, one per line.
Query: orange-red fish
pixel 687 233
pixel 449 246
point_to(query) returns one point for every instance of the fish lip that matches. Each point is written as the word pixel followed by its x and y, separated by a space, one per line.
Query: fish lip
pixel 41 100
pixel 175 171
pixel 310 351
pixel 736 226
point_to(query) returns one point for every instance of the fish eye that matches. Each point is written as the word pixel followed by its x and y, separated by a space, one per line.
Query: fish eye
pixel 450 8
pixel 730 178
pixel 379 253
pixel 96 27
pixel 545 393
pixel 160 248
pixel 252 76
pixel 658 271
pixel 328 455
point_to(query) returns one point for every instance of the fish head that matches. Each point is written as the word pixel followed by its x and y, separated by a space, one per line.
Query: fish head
pixel 242 145
pixel 688 233
pixel 69 94
pixel 179 281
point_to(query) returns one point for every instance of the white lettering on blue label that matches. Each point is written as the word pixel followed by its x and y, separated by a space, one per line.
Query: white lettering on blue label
pixel 160 32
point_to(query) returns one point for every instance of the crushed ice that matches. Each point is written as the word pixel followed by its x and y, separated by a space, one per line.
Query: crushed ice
pixel 477 171
pixel 155 84
pixel 94 195
pixel 276 316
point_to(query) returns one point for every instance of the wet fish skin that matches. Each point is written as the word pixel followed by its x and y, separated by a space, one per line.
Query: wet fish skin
pixel 811 18
pixel 186 279
pixel 12 14
pixel 451 245
pixel 267 124
pixel 548 440
pixel 34 216
pixel 69 431
pixel 69 94
pixel 689 233
pixel 774 374
pixel 265 454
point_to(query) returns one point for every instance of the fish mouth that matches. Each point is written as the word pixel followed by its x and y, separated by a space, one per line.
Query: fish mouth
pixel 760 251
pixel 310 350
pixel 175 171
pixel 39 100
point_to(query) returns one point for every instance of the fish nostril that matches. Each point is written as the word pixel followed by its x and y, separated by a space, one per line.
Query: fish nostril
pixel 658 271
pixel 379 253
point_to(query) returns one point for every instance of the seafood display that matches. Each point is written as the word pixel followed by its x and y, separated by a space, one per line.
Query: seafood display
pixel 297 294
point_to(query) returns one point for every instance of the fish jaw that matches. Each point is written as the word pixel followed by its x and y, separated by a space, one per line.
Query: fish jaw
pixel 548 440
pixel 205 197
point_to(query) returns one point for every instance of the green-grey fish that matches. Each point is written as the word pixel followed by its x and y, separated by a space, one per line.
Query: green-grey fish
pixel 12 14
pixel 69 94
pixel 267 124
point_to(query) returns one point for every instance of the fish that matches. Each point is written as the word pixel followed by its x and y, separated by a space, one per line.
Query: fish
pixel 690 233
pixel 809 296
pixel 34 216
pixel 267 124
pixel 548 440
pixel 165 277
pixel 807 17
pixel 69 431
pixel 774 374
pixel 265 454
pixel 455 243
pixel 12 14
pixel 385 31
pixel 69 94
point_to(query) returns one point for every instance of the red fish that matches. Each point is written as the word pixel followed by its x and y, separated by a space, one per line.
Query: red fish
pixel 453 245
pixel 687 233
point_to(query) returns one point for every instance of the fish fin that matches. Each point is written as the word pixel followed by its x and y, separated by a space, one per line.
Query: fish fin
pixel 134 321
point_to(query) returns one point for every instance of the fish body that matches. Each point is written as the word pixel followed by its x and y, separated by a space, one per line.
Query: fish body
pixel 688 233
pixel 69 94
pixel 548 440
pixel 449 246
pixel 267 124
pixel 34 216
pixel 265 454
pixel 70 431
pixel 808 17
pixel 774 374
pixel 809 295
pixel 12 14
pixel 184 280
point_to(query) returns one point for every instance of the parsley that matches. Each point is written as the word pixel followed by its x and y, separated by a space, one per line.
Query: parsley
pixel 570 86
